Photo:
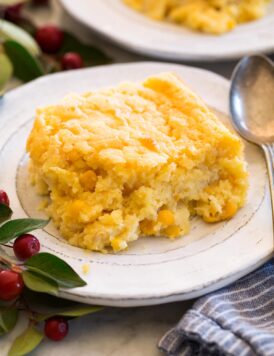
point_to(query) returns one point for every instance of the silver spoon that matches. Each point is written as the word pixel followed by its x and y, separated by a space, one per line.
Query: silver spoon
pixel 252 107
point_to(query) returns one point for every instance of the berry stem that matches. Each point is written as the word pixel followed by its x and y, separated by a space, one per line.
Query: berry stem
pixel 5 261
pixel 9 246
pixel 30 312
pixel 14 267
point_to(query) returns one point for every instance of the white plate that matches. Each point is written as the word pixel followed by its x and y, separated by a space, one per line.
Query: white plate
pixel 154 270
pixel 131 30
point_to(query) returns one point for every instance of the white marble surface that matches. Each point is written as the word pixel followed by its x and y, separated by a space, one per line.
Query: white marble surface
pixel 112 332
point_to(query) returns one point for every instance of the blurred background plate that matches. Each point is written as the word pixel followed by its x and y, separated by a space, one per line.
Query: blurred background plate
pixel 131 30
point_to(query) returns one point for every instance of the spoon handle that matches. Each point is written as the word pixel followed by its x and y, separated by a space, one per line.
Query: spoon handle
pixel 269 155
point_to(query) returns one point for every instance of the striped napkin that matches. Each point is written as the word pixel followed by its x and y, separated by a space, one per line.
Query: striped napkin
pixel 237 321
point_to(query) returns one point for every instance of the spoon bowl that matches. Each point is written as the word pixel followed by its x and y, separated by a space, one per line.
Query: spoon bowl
pixel 252 106
pixel 252 99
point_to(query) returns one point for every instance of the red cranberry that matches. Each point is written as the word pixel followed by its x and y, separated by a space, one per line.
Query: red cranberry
pixel 4 199
pixel 26 246
pixel 13 13
pixel 11 285
pixel 50 38
pixel 56 328
pixel 72 60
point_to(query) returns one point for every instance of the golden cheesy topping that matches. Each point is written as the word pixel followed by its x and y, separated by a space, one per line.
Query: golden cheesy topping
pixel 137 159
pixel 211 16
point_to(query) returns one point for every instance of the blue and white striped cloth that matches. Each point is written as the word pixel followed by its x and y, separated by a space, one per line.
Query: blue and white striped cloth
pixel 237 321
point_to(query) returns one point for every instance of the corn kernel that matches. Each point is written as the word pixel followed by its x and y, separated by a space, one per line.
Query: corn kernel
pixel 229 210
pixel 77 207
pixel 86 268
pixel 172 231
pixel 88 180
pixel 149 143
pixel 118 244
pixel 166 217
pixel 147 227
pixel 211 218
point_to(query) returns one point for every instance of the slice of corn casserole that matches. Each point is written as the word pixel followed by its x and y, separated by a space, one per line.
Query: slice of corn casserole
pixel 137 159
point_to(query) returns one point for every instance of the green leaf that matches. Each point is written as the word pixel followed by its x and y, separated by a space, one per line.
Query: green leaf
pixel 91 55
pixel 9 31
pixel 5 211
pixel 41 302
pixel 25 66
pixel 5 71
pixel 8 319
pixel 2 332
pixel 26 342
pixel 74 312
pixel 17 227
pixel 3 304
pixel 55 269
pixel 81 310
pixel 39 283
